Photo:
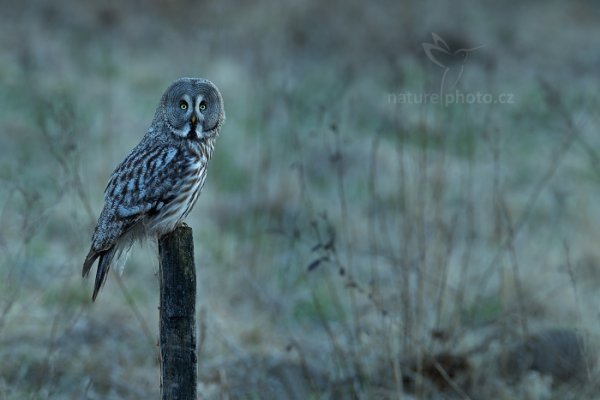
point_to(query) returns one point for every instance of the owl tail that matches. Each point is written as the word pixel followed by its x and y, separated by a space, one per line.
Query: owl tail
pixel 106 258
pixel 115 255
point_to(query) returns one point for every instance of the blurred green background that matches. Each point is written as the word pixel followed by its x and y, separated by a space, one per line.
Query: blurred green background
pixel 355 238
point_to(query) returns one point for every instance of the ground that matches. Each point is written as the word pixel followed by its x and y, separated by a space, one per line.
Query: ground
pixel 402 202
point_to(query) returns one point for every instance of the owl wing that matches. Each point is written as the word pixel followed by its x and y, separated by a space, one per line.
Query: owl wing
pixel 139 187
pixel 144 182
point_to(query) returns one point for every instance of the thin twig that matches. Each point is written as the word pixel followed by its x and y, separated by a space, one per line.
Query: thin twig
pixel 137 313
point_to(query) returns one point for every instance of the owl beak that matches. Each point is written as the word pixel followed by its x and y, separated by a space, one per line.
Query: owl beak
pixel 194 119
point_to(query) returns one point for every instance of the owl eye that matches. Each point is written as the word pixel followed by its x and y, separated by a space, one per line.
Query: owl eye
pixel 202 106
pixel 183 105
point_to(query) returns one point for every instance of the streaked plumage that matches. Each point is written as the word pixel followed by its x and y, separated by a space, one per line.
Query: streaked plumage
pixel 155 187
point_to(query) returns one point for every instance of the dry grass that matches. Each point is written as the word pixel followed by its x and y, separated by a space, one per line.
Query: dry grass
pixel 348 246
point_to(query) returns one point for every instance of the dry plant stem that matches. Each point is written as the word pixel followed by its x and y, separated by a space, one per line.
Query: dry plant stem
pixel 70 167
pixel 347 363
pixel 560 152
pixel 469 217
pixel 374 200
pixel 10 302
pixel 440 254
pixel 463 395
pixel 179 367
pixel 422 262
pixel 515 267
pixel 136 311
pixel 444 265
pixel 404 231
pixel 588 367
pixel 348 236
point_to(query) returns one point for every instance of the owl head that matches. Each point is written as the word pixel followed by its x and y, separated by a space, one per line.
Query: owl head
pixel 192 108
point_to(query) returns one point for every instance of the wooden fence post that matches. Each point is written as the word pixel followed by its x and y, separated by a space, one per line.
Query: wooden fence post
pixel 177 273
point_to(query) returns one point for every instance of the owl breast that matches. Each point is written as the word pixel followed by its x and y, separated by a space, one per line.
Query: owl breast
pixel 173 212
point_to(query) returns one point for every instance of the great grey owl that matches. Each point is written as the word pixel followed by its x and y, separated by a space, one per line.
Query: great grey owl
pixel 155 187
